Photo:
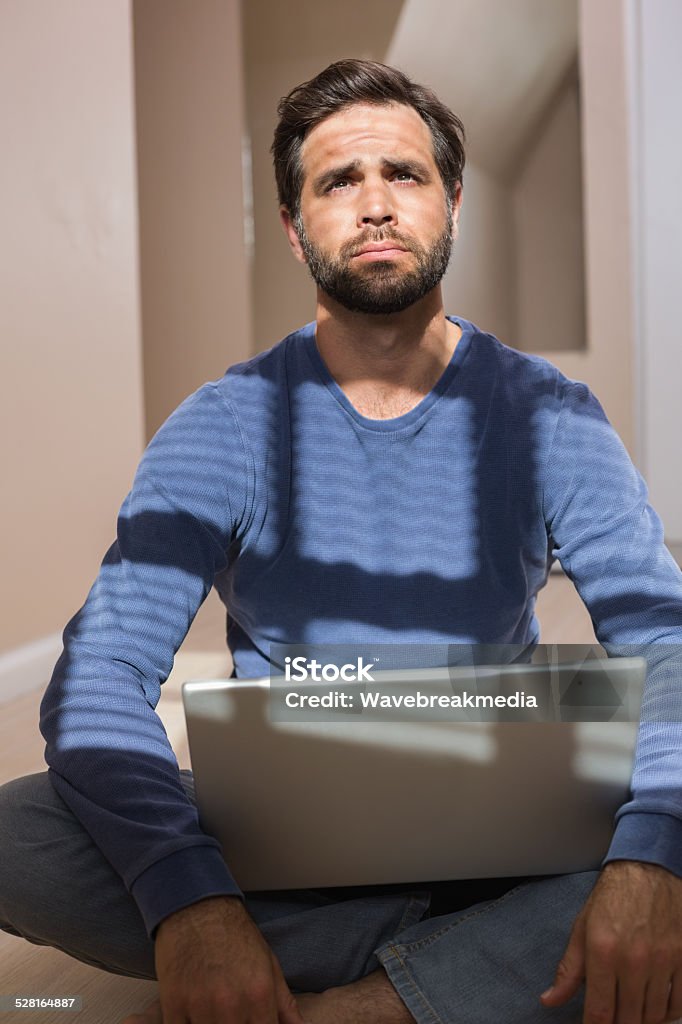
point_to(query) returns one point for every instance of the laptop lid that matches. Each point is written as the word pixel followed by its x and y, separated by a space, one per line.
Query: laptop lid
pixel 306 797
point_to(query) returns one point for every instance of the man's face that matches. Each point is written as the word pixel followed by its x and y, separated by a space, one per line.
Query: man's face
pixel 375 225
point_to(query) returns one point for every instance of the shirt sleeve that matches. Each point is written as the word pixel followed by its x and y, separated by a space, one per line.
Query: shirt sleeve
pixel 610 543
pixel 108 754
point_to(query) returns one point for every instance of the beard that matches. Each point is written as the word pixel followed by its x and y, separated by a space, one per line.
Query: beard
pixel 377 286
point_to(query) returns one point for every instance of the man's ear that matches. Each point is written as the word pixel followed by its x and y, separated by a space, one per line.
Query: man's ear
pixel 455 206
pixel 290 231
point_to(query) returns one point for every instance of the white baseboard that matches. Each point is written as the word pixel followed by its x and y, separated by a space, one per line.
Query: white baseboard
pixel 28 667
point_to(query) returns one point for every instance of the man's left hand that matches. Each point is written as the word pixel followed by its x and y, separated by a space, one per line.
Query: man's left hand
pixel 626 945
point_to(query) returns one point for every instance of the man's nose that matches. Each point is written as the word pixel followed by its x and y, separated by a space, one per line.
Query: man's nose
pixel 376 206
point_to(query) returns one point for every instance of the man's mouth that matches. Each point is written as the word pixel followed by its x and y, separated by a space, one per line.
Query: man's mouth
pixel 380 251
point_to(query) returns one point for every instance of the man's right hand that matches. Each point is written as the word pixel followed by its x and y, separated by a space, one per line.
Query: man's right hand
pixel 214 967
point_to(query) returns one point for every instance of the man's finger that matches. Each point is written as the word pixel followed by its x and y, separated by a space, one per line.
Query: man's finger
pixel 656 998
pixel 630 996
pixel 570 970
pixel 675 1003
pixel 287 1007
pixel 601 989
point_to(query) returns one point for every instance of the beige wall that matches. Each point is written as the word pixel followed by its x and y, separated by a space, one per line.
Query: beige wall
pixel 70 384
pixel 517 267
pixel 658 168
pixel 548 264
pixel 193 265
pixel 479 283
pixel 607 363
pixel 511 265
pixel 283 293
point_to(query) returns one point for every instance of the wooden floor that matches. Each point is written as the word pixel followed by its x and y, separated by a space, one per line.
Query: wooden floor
pixel 26 969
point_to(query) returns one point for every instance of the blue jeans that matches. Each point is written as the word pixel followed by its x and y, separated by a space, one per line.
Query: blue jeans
pixel 472 965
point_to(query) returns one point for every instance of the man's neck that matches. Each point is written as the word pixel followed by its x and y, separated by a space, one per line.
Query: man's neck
pixel 386 364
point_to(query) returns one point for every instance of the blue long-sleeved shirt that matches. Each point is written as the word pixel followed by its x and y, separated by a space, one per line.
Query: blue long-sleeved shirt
pixel 317 524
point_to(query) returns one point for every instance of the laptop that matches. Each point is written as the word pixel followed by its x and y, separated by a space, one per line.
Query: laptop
pixel 380 792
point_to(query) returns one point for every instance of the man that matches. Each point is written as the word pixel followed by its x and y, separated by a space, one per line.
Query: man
pixel 385 473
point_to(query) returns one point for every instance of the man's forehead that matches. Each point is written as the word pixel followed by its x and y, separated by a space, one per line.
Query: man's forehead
pixel 396 129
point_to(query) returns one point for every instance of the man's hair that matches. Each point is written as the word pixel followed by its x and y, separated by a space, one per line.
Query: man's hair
pixel 359 81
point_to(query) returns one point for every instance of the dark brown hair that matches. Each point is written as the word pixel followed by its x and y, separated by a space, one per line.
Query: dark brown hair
pixel 359 81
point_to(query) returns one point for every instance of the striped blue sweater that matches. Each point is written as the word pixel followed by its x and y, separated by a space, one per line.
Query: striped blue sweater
pixel 316 524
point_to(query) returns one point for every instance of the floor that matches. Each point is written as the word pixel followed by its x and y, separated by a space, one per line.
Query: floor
pixel 108 998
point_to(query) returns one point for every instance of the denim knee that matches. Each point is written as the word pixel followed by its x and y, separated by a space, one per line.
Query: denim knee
pixel 56 887
pixel 16 797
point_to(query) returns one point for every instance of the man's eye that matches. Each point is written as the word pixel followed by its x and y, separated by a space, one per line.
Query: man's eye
pixel 405 175
pixel 341 181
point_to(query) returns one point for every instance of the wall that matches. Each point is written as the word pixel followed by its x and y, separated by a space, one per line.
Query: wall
pixel 479 283
pixel 70 399
pixel 196 318
pixel 283 292
pixel 548 266
pixel 659 173
pixel 607 363
pixel 517 268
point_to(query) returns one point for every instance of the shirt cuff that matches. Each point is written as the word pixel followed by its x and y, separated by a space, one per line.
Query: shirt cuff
pixel 653 838
pixel 177 881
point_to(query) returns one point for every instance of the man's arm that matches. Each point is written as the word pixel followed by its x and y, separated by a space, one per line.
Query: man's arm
pixel 610 543
pixel 213 967
pixel 626 942
pixel 108 754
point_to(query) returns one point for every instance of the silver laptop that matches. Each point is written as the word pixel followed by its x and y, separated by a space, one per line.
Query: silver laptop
pixel 393 793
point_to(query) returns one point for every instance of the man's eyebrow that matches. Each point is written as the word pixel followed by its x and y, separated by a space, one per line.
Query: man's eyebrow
pixel 333 174
pixel 415 167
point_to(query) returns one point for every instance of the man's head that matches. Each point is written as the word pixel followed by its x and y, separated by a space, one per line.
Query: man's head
pixel 363 158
